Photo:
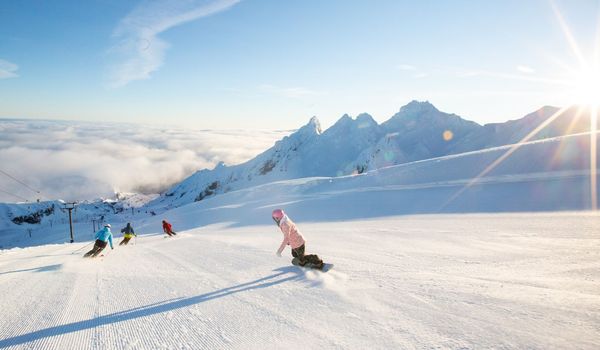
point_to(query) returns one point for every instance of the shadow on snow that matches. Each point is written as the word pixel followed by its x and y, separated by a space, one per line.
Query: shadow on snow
pixel 293 273
pixel 36 269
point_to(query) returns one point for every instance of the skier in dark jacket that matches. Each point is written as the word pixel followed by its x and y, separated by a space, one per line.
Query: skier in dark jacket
pixel 103 237
pixel 128 234
pixel 167 228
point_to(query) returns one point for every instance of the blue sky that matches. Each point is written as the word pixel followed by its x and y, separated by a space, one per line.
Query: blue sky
pixel 273 64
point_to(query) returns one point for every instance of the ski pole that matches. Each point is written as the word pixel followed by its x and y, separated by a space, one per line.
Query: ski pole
pixel 82 247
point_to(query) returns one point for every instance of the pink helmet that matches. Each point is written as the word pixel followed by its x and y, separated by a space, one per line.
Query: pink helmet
pixel 278 214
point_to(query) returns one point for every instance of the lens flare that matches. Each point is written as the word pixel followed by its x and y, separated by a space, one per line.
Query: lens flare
pixel 448 135
pixel 503 157
pixel 593 138
pixel 583 89
pixel 586 88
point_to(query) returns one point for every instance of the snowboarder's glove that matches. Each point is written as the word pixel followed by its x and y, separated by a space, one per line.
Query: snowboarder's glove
pixel 278 254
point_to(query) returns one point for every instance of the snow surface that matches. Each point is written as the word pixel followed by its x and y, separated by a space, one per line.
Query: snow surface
pixel 419 132
pixel 544 175
pixel 456 281
pixel 404 282
pixel 424 257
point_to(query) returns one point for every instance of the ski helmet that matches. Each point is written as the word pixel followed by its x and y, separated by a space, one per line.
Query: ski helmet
pixel 107 225
pixel 278 214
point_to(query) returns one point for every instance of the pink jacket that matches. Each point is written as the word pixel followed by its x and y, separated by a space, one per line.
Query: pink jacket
pixel 291 235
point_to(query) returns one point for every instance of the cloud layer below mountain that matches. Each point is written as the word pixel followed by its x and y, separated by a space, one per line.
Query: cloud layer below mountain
pixel 76 161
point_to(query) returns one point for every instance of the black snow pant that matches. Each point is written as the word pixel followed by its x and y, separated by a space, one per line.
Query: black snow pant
pixel 98 247
pixel 170 232
pixel 125 241
pixel 304 259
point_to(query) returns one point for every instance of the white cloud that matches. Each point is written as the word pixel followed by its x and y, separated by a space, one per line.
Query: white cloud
pixel 139 51
pixel 8 69
pixel 525 69
pixel 76 161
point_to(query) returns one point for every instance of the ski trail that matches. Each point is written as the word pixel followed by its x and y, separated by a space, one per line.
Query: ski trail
pixel 480 281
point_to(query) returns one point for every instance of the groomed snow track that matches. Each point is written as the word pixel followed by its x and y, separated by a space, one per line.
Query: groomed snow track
pixel 407 282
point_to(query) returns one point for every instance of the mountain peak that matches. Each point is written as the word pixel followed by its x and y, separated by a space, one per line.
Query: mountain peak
pixel 346 123
pixel 365 120
pixel 365 117
pixel 315 123
pixel 312 127
pixel 343 121
pixel 411 112
pixel 415 106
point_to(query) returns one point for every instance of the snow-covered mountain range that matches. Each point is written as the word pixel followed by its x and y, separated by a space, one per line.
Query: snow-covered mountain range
pixel 422 155
pixel 475 269
pixel 418 131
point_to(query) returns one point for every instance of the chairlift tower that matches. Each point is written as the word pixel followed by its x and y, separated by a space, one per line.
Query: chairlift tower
pixel 70 207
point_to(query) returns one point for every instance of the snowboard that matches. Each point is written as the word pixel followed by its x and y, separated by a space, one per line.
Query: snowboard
pixel 326 266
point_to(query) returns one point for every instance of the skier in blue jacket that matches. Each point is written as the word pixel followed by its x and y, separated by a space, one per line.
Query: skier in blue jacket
pixel 103 237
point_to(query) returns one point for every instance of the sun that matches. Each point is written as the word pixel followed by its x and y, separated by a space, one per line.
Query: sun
pixel 582 87
pixel 586 88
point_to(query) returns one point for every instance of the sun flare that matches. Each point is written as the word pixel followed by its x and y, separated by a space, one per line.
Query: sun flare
pixel 586 88
pixel 582 88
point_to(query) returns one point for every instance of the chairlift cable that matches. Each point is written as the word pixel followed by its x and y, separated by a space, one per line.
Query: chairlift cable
pixel 22 183
pixel 14 195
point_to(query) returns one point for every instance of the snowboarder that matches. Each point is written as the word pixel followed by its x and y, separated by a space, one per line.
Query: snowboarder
pixel 168 229
pixel 128 234
pixel 293 238
pixel 103 237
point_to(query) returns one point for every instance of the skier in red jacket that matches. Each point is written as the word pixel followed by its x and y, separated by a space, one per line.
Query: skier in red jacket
pixel 168 229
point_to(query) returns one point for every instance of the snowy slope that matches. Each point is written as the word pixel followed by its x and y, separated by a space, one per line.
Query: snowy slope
pixel 305 153
pixel 400 281
pixel 26 224
pixel 352 146
pixel 551 174
pixel 572 121
pixel 267 166
pixel 545 175
pixel 418 131
pixel 411 282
